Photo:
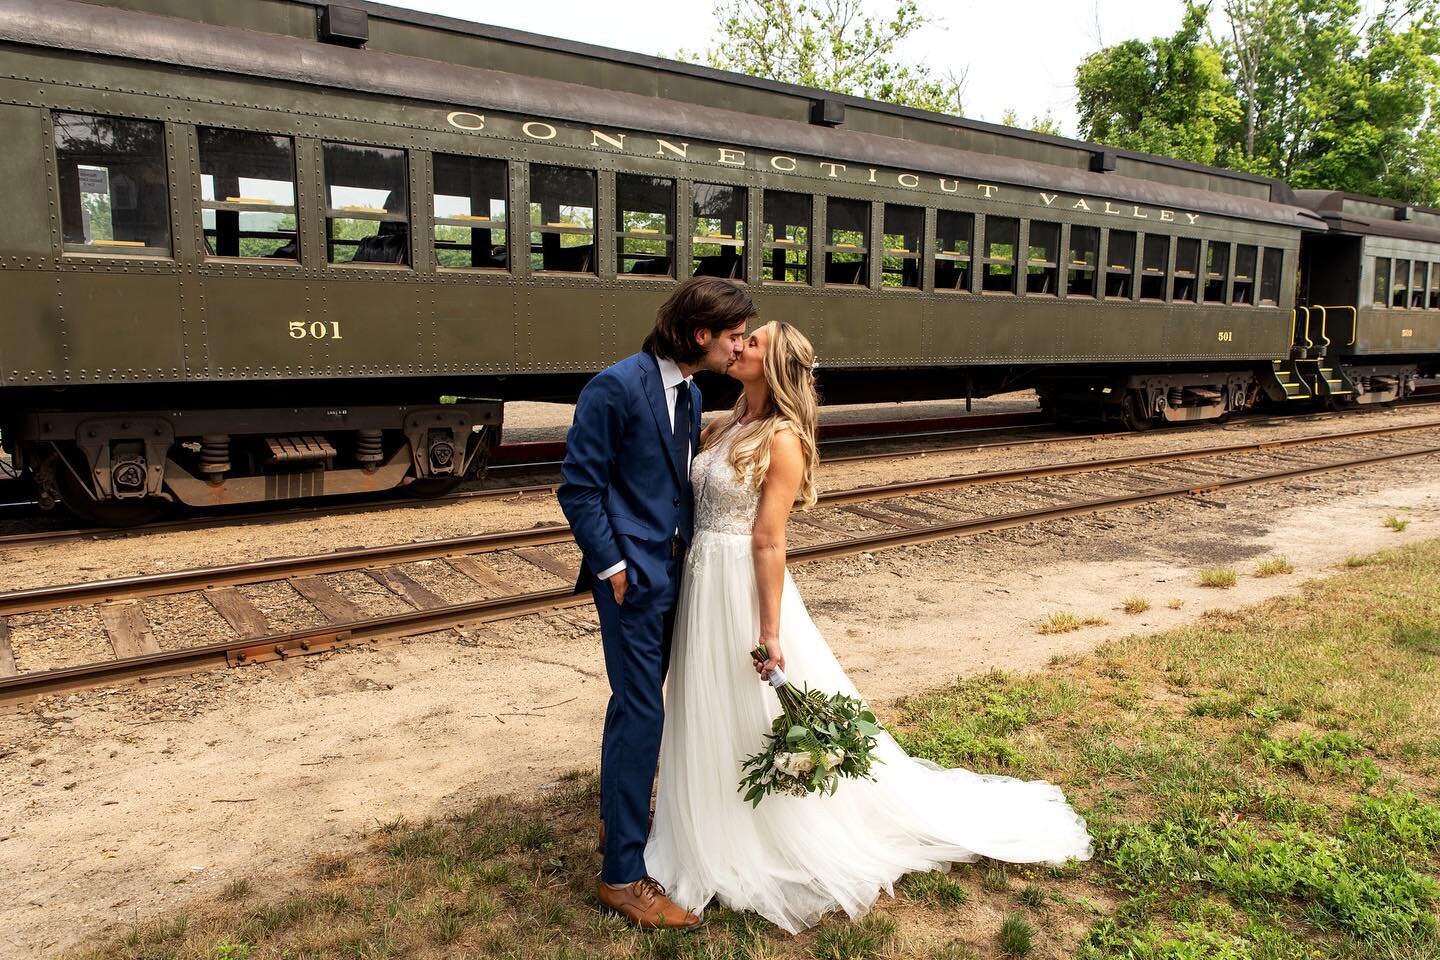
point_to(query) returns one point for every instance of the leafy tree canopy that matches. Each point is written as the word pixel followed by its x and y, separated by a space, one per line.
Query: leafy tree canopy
pixel 1313 92
pixel 830 45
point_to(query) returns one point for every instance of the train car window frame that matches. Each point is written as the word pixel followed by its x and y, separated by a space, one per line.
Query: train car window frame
pixel 1271 268
pixel 900 267
pixel 481 227
pixel 777 252
pixel 1120 264
pixel 1380 288
pixel 1001 268
pixel 1419 283
pixel 729 257
pixel 847 259
pixel 1083 263
pixel 1434 286
pixel 643 245
pixel 1242 285
pixel 951 261
pixel 547 237
pixel 1042 273
pixel 1154 280
pixel 246 200
pixel 1217 283
pixel 1400 294
pixel 129 184
pixel 392 220
pixel 1185 283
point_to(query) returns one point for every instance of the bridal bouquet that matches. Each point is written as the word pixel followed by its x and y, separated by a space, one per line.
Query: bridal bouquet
pixel 816 740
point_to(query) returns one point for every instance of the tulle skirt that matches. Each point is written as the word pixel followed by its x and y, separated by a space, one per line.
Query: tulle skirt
pixel 794 859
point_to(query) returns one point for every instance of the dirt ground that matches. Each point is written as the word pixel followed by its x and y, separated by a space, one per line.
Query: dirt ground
pixel 121 803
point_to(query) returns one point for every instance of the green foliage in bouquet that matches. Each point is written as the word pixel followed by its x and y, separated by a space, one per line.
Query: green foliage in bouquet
pixel 816 740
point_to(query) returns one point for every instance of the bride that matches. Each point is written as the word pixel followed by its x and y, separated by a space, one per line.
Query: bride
pixel 793 859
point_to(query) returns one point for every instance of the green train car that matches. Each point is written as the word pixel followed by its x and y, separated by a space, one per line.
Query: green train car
pixel 252 244
pixel 1380 261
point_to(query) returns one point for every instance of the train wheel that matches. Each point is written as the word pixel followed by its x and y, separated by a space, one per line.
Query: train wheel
pixel 106 513
pixel 427 487
pixel 1133 413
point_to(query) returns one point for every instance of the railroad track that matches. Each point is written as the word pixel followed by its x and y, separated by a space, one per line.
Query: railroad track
pixel 929 440
pixel 517 461
pixel 531 571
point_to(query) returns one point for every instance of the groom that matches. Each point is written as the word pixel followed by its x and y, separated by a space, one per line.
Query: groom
pixel 626 493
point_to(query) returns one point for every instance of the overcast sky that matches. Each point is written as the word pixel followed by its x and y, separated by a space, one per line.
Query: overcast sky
pixel 1019 54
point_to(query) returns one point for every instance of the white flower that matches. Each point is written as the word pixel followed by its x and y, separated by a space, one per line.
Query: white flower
pixel 833 759
pixel 794 764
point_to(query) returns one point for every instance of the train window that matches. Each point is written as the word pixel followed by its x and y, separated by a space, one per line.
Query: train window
pixel 1270 275
pixel 562 219
pixel 1244 288
pixel 1217 265
pixel 367 214
pixel 1084 258
pixel 1042 261
pixel 954 233
pixel 718 247
pixel 1435 286
pixel 1186 284
pixel 644 225
pixel 900 267
pixel 471 213
pixel 847 248
pixel 113 190
pixel 1382 282
pixel 247 194
pixel 1120 265
pixel 787 237
pixel 1002 248
pixel 1418 284
pixel 1153 266
pixel 1400 286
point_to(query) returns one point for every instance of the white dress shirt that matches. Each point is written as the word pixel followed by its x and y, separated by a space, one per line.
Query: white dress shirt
pixel 670 378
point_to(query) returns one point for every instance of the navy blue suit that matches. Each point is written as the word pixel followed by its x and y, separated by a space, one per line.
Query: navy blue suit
pixel 626 494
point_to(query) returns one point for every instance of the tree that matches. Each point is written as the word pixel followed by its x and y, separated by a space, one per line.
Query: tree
pixel 1046 124
pixel 1308 91
pixel 830 45
pixel 1169 96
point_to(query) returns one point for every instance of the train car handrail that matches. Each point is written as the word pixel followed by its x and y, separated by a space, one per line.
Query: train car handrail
pixel 1295 329
pixel 1324 342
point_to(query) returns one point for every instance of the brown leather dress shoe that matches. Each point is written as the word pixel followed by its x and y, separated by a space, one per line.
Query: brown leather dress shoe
pixel 645 904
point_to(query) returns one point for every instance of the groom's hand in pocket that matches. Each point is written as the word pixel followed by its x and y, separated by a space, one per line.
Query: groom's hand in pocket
pixel 618 584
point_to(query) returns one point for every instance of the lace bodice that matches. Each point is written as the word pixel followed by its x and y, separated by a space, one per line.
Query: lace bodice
pixel 724 503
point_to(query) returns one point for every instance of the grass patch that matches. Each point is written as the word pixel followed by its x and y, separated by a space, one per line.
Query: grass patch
pixel 1175 604
pixel 1220 577
pixel 1135 605
pixel 1395 523
pixel 1259 784
pixel 1016 936
pixel 1273 567
pixel 1066 622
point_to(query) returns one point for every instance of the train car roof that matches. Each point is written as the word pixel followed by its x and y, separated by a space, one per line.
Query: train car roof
pixel 1372 216
pixel 257 39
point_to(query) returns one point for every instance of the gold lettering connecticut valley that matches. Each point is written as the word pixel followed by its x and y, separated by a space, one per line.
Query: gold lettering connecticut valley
pixel 540 131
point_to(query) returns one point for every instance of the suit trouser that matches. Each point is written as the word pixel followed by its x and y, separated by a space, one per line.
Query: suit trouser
pixel 636 638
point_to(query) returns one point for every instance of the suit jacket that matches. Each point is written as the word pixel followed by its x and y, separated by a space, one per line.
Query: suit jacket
pixel 624 493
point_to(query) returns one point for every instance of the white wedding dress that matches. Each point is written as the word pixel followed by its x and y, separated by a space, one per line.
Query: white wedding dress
pixel 794 859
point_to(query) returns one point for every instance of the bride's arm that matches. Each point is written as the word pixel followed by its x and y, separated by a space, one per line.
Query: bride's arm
pixel 782 482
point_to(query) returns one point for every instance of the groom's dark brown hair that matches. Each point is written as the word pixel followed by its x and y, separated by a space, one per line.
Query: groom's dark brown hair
pixel 700 303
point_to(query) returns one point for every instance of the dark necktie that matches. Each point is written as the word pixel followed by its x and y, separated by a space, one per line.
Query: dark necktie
pixel 680 433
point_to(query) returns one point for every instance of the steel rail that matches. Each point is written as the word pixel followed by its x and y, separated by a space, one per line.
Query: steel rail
pixel 411 623
pixel 48 598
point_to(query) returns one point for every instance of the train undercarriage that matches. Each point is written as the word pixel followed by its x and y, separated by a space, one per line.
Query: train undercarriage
pixel 119 469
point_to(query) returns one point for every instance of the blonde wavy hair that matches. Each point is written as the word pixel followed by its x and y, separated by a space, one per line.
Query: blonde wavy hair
pixel 794 406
